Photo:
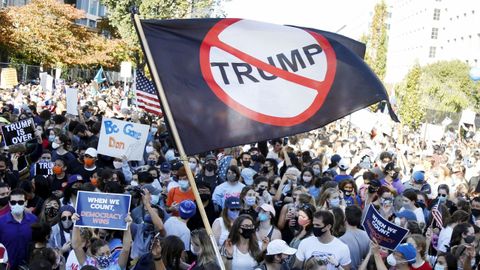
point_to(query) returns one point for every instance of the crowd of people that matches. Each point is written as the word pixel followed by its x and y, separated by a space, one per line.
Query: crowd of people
pixel 290 203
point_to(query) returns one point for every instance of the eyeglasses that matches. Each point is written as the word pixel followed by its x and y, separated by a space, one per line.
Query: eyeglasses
pixel 64 218
pixel 21 202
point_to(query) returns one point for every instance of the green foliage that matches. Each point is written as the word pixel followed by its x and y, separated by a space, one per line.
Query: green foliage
pixel 376 41
pixel 441 86
pixel 120 17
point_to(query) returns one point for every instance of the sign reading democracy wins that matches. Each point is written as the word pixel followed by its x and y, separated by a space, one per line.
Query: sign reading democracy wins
pixel 19 132
pixel 102 210
pixel 120 138
pixel 387 234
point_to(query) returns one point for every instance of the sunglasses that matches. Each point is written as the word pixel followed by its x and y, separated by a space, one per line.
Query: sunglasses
pixel 64 218
pixel 21 202
pixel 442 195
pixel 234 209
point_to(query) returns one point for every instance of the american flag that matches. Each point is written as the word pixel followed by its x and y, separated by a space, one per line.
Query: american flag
pixel 437 215
pixel 146 94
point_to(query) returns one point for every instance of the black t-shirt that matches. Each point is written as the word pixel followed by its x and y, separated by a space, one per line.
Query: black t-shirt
pixel 196 221
pixel 86 174
pixel 59 184
pixel 36 203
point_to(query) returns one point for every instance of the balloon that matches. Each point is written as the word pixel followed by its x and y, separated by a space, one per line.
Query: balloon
pixel 475 73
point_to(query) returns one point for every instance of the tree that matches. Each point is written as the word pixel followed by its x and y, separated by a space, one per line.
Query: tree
pixel 119 15
pixel 442 86
pixel 44 32
pixel 376 41
pixel 5 35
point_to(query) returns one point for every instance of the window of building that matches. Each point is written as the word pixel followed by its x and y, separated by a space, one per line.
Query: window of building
pixel 432 52
pixel 92 23
pixel 434 33
pixel 436 14
pixel 93 9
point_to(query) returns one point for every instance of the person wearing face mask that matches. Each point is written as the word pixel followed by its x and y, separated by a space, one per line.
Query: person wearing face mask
pixel 241 250
pixel 208 174
pixel 4 198
pixel 445 261
pixel 61 232
pixel 304 227
pixel 178 225
pixel 330 198
pixel 196 221
pixel 409 200
pixel 74 184
pixel 443 193
pixel 401 258
pixel 231 188
pixel 165 179
pixel 248 197
pixel 89 167
pixel 123 166
pixel 323 242
pixel 278 253
pixel 266 230
pixel 247 176
pixel 418 182
pixel 385 202
pixel 245 160
pixel 179 194
pixel 309 181
pixel 391 179
pixel 60 148
pixel 50 211
pixel 405 216
pixel 193 164
pixel 100 255
pixel 15 229
pixel 60 178
pixel 223 224
pixel 463 234
pixel 349 189
pixel 419 243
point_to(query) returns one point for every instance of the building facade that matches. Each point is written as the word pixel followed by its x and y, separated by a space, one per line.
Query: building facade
pixel 431 30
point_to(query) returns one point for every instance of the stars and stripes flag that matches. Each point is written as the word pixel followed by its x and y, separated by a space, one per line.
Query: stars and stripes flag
pixel 146 94
pixel 437 215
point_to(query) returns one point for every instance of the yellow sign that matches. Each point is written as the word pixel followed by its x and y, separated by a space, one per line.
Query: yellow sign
pixel 8 78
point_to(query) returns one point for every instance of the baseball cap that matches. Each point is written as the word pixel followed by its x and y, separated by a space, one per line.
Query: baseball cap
pixel 232 203
pixel 91 152
pixel 408 252
pixel 343 164
pixel 375 183
pixel 418 176
pixel 152 190
pixel 335 158
pixel 176 165
pixel 278 246
pixel 74 178
pixel 165 167
pixel 210 157
pixel 407 214
pixel 187 209
pixel 268 208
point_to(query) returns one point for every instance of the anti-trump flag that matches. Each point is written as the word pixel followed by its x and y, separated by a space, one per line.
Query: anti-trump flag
pixel 232 81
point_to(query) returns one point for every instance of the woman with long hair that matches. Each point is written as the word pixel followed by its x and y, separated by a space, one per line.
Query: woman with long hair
pixel 310 181
pixel 61 232
pixel 49 213
pixel 222 225
pixel 330 198
pixel 201 246
pixel 305 226
pixel 241 250
pixel 419 243
pixel 248 201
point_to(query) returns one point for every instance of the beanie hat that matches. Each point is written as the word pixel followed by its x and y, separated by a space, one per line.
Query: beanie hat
pixel 187 209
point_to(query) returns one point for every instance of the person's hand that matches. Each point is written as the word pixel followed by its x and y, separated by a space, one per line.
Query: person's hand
pixel 429 234
pixel 265 242
pixel 75 217
pixel 228 248
pixel 292 222
pixel 156 248
pixel 67 246
pixel 331 260
pixel 374 246
pixel 14 160
pixel 174 206
pixel 124 158
pixel 146 197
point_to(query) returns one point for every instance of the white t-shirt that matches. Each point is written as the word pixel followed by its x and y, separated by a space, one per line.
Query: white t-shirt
pixel 72 262
pixel 418 214
pixel 444 238
pixel 174 226
pixel 311 246
pixel 242 261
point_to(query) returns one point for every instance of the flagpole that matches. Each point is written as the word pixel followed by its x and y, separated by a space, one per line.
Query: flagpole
pixel 176 137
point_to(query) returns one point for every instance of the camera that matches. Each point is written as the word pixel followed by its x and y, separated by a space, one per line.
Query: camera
pixel 136 192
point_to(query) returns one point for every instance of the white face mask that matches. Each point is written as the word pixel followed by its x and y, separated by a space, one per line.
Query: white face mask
pixel 307 179
pixel 117 164
pixel 154 199
pixel 55 145
pixel 439 267
pixel 17 209
pixel 192 165
pixel 391 260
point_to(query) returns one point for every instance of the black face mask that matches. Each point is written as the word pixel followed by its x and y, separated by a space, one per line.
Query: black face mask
pixel 372 189
pixel 395 175
pixel 260 191
pixel 4 201
pixel 469 239
pixel 51 212
pixel 475 212
pixel 246 164
pixel 255 157
pixel 318 231
pixel 205 197
pixel 210 167
pixel 276 185
pixel 247 233
pixel 264 170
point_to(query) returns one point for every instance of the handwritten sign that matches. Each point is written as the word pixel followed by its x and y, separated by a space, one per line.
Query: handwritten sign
pixel 44 168
pixel 8 78
pixel 118 138
pixel 387 234
pixel 102 210
pixel 19 132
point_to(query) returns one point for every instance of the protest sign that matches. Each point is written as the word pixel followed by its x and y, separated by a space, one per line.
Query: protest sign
pixel 19 132
pixel 364 120
pixel 126 70
pixel 468 117
pixel 58 73
pixel 72 101
pixel 102 210
pixel 387 234
pixel 8 78
pixel 433 133
pixel 119 138
pixel 44 168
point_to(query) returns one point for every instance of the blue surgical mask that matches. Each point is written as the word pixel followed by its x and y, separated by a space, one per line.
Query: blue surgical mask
pixel 154 199
pixel 250 201
pixel 263 217
pixel 183 184
pixel 334 202
pixel 232 214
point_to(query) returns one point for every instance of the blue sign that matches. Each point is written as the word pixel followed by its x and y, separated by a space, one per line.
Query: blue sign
pixel 102 210
pixel 387 234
